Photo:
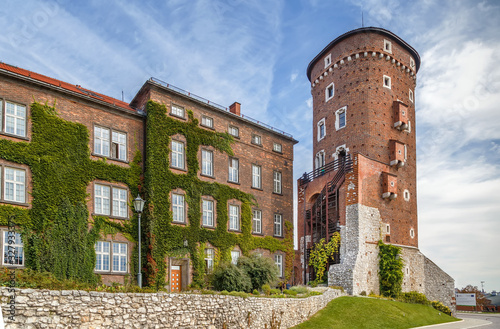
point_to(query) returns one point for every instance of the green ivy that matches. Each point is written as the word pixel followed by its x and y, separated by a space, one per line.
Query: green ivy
pixel 390 270
pixel 55 230
pixel 322 253
pixel 163 236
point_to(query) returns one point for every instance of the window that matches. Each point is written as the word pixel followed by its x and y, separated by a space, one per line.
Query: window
pixel 319 159
pixel 16 254
pixel 102 256
pixel 207 122
pixel 278 260
pixel 410 95
pixel 387 228
pixel 328 60
pixel 277 147
pixel 14 187
pixel 256 177
pixel 234 218
pixel 340 118
pixel 388 46
pixel 412 233
pixel 329 92
pixel 257 222
pixel 406 195
pixel 235 254
pixel 110 201
pixel 256 139
pixel 209 259
pixel 277 182
pixel 321 129
pixel 278 225
pixel 387 82
pixel 207 163
pixel 208 213
pixel 177 154
pixel 178 208
pixel 119 257
pixel 412 63
pixel 234 131
pixel 14 118
pixel 116 148
pixel 178 111
pixel 233 170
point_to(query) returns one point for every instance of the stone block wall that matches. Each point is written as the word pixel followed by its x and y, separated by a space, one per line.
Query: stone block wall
pixel 438 284
pixel 81 309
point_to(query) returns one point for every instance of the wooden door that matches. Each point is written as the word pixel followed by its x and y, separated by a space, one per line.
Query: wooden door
pixel 175 279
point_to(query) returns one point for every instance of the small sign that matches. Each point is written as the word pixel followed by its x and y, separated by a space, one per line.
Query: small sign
pixel 466 299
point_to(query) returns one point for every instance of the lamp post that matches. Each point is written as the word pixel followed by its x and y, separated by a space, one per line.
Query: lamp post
pixel 139 206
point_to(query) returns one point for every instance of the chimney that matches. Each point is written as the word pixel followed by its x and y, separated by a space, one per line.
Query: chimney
pixel 235 108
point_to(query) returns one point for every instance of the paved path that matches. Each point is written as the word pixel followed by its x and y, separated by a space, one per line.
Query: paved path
pixel 470 320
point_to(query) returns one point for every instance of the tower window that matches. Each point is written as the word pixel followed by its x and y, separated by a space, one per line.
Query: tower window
pixel 387 81
pixel 412 63
pixel 329 92
pixel 410 95
pixel 406 195
pixel 387 228
pixel 340 118
pixel 319 161
pixel 328 60
pixel 412 233
pixel 388 46
pixel 321 129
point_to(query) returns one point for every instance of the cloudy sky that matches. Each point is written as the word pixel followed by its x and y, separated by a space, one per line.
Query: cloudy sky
pixel 256 53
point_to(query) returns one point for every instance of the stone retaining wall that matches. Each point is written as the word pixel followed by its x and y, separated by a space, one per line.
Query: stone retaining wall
pixel 81 309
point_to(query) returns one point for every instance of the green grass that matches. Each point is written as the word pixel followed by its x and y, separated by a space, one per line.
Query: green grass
pixel 358 312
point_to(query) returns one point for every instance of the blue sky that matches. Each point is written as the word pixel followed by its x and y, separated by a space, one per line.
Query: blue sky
pixel 256 53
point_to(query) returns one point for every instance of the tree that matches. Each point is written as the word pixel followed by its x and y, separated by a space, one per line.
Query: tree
pixel 322 253
pixel 481 301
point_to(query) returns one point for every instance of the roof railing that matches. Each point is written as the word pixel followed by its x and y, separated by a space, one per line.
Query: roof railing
pixel 342 161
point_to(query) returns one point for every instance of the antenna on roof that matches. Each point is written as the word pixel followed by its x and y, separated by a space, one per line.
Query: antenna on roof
pixel 362 20
pixel 122 95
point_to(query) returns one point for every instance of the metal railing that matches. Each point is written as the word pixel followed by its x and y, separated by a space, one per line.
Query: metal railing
pixel 218 106
pixel 345 162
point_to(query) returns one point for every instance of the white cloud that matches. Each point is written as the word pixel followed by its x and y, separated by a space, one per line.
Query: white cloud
pixel 293 76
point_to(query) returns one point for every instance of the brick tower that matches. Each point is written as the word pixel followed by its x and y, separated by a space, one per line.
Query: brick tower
pixel 364 180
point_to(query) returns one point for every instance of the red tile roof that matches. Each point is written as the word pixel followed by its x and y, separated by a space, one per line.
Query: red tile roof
pixel 64 85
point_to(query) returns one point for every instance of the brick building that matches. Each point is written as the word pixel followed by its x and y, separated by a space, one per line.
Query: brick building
pixel 364 180
pixel 260 166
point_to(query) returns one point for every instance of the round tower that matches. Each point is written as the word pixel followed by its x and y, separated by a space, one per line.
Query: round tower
pixel 363 90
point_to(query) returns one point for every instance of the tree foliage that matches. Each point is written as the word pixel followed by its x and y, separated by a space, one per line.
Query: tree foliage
pixel 322 253
pixel 480 299
pixel 229 277
pixel 261 270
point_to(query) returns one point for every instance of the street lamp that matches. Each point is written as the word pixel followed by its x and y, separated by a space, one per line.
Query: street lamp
pixel 139 206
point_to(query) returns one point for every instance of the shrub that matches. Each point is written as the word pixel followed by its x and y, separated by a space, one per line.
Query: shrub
pixel 275 291
pixel 290 292
pixel 363 293
pixel 238 294
pixel 255 292
pixel 314 293
pixel 266 289
pixel 440 307
pixel 300 289
pixel 231 278
pixel 413 297
pixel 261 270
pixel 338 288
pixel 224 292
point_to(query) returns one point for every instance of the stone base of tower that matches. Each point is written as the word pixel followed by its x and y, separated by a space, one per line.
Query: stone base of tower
pixel 358 268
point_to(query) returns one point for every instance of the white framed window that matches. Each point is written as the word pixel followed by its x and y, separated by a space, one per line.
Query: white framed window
pixel 387 82
pixel 208 213
pixel 209 259
pixel 101 141
pixel 120 202
pixel 410 95
pixel 329 92
pixel 13 118
pixel 278 260
pixel 277 182
pixel 14 186
pixel 256 176
pixel 257 222
pixel 256 139
pixel 277 147
pixel 233 170
pixel 328 60
pixel 110 201
pixel 321 129
pixel 406 195
pixel 319 160
pixel 387 229
pixel 119 257
pixel 278 225
pixel 235 254
pixel 234 131
pixel 412 233
pixel 340 118
pixel 207 121
pixel 406 152
pixel 178 208
pixel 16 249
pixel 207 163
pixel 102 253
pixel 177 154
pixel 119 145
pixel 234 218
pixel 178 111
pixel 412 63
pixel 387 46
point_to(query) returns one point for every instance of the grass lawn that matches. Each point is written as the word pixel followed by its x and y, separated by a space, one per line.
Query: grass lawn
pixel 360 312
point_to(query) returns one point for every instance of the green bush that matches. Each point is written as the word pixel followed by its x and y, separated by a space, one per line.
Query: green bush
pixel 275 291
pixel 290 292
pixel 363 293
pixel 231 278
pixel 414 297
pixel 224 292
pixel 339 288
pixel 300 289
pixel 261 270
pixel 266 289
pixel 238 294
pixel 314 293
pixel 255 292
pixel 440 307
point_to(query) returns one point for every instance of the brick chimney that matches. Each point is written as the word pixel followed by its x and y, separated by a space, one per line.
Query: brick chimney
pixel 235 108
